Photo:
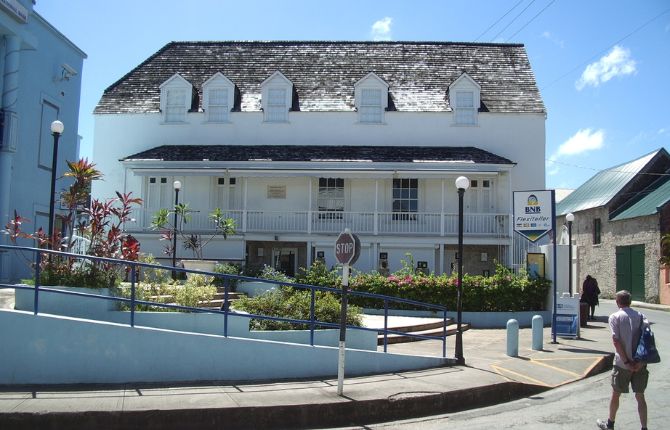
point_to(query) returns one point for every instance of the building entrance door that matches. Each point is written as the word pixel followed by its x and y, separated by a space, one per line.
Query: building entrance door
pixel 285 260
pixel 630 270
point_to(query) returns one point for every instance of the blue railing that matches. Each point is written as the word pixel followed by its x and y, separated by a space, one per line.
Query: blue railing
pixel 133 302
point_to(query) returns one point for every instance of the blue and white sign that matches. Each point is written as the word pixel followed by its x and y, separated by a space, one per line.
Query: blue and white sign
pixel 567 316
pixel 533 213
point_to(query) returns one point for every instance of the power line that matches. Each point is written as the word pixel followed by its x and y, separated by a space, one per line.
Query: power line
pixel 499 19
pixel 599 170
pixel 604 50
pixel 513 19
pixel 532 19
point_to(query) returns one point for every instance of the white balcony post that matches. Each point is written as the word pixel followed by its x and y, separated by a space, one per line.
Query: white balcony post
pixel 244 207
pixel 376 215
pixel 309 207
pixel 442 211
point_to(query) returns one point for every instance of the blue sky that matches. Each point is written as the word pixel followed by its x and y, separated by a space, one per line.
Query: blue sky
pixel 602 66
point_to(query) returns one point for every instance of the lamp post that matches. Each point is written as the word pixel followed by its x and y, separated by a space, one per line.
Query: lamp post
pixel 177 187
pixel 462 184
pixel 57 128
pixel 570 218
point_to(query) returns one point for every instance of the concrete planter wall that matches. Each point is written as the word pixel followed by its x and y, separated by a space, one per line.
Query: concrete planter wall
pixel 255 288
pixel 475 319
pixel 65 304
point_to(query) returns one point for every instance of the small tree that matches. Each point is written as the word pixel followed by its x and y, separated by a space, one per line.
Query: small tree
pixel 162 221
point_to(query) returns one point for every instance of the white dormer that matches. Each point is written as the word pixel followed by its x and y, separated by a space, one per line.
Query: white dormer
pixel 371 99
pixel 464 99
pixel 276 97
pixel 176 95
pixel 218 98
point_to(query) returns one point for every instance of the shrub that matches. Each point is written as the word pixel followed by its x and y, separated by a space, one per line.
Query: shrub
pixel 295 304
pixel 227 269
pixel 318 274
pixel 198 288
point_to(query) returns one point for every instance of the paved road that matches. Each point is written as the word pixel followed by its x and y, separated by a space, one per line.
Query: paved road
pixel 574 406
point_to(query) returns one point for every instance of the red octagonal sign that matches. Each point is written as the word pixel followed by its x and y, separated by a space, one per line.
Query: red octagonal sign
pixel 347 247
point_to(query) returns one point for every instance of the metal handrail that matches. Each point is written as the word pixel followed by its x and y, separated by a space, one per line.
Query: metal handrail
pixel 133 301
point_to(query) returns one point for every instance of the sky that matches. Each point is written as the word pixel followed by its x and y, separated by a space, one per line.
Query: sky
pixel 602 66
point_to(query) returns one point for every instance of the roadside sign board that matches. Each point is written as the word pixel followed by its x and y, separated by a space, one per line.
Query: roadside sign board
pixel 347 248
pixel 533 213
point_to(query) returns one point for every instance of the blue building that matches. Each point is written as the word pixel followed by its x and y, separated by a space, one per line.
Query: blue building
pixel 40 82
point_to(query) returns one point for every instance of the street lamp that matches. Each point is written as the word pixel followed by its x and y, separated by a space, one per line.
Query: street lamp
pixel 462 184
pixel 57 128
pixel 177 187
pixel 570 218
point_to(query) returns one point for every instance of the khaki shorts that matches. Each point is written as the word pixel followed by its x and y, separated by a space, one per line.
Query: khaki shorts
pixel 622 378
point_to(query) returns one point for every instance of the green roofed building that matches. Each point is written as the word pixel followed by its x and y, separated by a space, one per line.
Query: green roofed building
pixel 621 213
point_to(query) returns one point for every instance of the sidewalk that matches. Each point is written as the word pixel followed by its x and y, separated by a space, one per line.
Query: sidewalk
pixel 489 377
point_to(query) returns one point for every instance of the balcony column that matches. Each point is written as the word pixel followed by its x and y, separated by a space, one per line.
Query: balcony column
pixel 442 211
pixel 309 206
pixel 244 206
pixel 375 218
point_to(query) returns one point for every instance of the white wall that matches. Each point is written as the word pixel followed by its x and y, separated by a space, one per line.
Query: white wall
pixel 518 137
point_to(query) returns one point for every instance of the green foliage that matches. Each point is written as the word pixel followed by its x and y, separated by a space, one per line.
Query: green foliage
pixel 152 275
pixel 504 291
pixel 295 304
pixel 66 272
pixel 274 275
pixel 197 289
pixel 227 269
pixel 665 250
pixel 318 274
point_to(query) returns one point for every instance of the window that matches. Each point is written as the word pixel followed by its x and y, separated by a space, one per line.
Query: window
pixel 465 108
pixel 464 99
pixel 371 106
pixel 371 99
pixel 276 110
pixel 331 198
pixel 218 98
pixel 405 198
pixel 596 231
pixel 175 110
pixel 276 98
pixel 217 109
pixel 175 99
pixel 480 196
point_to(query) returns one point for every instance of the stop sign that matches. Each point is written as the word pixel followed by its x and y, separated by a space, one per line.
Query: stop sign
pixel 347 247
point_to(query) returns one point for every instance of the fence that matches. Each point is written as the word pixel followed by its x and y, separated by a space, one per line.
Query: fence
pixel 132 269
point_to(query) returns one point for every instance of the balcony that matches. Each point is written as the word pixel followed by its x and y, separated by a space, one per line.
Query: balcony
pixel 317 222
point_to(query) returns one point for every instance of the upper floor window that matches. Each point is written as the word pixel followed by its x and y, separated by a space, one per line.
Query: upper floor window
pixel 480 196
pixel 276 98
pixel 331 197
pixel 405 198
pixel 218 98
pixel 371 94
pixel 596 231
pixel 176 95
pixel 464 98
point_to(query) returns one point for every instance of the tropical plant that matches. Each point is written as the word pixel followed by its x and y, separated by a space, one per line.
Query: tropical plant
pixel 162 220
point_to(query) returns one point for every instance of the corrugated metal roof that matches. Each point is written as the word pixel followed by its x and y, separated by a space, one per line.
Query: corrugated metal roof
pixel 648 204
pixel 603 186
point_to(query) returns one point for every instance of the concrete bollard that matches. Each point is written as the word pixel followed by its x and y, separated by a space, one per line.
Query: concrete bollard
pixel 513 338
pixel 538 327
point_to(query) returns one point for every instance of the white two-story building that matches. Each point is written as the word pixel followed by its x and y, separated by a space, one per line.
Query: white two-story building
pixel 298 140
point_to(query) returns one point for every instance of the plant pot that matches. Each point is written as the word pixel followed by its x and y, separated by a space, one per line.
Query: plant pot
pixel 202 265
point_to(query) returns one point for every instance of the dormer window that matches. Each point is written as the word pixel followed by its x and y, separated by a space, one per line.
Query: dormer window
pixel 464 100
pixel 371 95
pixel 176 95
pixel 218 98
pixel 276 98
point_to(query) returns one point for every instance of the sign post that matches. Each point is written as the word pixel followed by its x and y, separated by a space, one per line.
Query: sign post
pixel 347 250
pixel 534 216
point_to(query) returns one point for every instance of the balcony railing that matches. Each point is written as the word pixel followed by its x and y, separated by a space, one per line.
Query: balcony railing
pixel 379 223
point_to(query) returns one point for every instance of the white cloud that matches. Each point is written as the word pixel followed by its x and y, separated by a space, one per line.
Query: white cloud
pixel 616 63
pixel 584 140
pixel 552 38
pixel 381 30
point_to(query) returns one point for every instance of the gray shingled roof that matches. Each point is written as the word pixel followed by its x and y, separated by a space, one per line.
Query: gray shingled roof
pixel 316 153
pixel 324 74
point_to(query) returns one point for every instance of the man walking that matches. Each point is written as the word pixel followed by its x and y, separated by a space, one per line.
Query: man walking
pixel 625 326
